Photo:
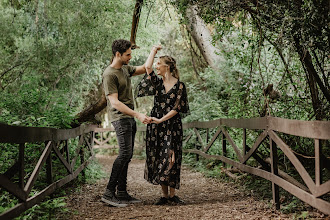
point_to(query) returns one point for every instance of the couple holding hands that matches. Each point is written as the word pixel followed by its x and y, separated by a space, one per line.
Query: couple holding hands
pixel 164 127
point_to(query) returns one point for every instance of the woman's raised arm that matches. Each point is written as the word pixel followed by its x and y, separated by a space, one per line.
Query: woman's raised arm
pixel 150 60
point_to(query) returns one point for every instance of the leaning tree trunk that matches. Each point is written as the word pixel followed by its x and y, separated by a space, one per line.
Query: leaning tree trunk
pixel 202 37
pixel 88 114
pixel 312 76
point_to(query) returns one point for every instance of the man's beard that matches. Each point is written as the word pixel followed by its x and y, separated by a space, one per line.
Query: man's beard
pixel 124 62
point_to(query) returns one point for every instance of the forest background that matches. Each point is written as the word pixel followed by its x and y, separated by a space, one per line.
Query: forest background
pixel 272 59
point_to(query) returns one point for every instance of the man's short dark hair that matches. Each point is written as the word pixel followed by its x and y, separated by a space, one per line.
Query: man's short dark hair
pixel 121 46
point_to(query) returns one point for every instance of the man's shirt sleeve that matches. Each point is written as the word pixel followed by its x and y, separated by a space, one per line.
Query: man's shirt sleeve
pixel 110 84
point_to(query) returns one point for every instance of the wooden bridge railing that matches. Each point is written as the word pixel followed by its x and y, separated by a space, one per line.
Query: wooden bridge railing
pixel 310 191
pixel 54 141
pixel 272 127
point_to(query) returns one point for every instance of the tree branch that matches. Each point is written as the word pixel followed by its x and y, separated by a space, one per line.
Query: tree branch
pixel 321 69
pixel 306 60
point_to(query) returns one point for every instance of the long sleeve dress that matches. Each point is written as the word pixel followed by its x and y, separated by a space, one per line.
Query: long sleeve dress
pixel 165 137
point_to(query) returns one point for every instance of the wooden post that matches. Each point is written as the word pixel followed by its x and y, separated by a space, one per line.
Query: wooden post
pixel 49 166
pixel 274 170
pixel 318 168
pixel 105 136
pixel 197 148
pixel 21 165
pixel 224 148
pixel 92 138
pixel 207 136
pixel 101 139
pixel 66 146
pixel 82 160
pixel 92 142
pixel 49 170
pixel 244 143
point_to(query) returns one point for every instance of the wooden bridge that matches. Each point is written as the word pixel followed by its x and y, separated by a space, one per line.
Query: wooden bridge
pixel 74 149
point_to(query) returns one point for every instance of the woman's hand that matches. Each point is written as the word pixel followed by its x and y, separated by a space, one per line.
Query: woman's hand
pixel 172 159
pixel 143 118
pixel 156 48
pixel 156 120
pixel 150 60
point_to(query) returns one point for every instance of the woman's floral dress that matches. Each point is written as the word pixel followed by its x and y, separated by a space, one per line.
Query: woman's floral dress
pixel 163 138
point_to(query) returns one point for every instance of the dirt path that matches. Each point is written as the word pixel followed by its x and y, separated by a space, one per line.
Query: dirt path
pixel 206 198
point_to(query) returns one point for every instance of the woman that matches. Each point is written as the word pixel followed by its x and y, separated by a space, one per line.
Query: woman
pixel 164 134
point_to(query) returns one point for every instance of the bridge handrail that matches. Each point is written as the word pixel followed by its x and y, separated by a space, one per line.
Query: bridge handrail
pixel 268 127
pixel 20 134
pixel 56 141
pixel 309 129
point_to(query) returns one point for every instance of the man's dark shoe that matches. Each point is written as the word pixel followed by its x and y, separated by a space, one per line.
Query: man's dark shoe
pixel 110 199
pixel 125 197
pixel 175 200
pixel 162 201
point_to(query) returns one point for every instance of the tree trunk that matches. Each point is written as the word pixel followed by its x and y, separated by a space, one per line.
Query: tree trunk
pixel 89 113
pixel 202 37
pixel 313 79
pixel 135 22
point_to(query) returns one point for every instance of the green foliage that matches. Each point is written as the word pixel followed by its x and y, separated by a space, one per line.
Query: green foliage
pixel 236 89
pixel 45 210
pixel 293 205
pixel 253 61
pixel 54 55
pixel 303 215
pixel 94 172
pixel 267 37
pixel 6 201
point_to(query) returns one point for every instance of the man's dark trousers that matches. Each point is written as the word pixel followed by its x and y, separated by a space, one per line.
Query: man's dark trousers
pixel 125 131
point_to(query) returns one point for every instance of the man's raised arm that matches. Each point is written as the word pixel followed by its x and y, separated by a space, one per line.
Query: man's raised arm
pixel 140 70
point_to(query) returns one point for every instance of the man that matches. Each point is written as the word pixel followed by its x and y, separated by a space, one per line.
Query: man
pixel 120 106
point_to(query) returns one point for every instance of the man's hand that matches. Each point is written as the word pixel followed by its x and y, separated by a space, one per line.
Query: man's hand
pixel 143 118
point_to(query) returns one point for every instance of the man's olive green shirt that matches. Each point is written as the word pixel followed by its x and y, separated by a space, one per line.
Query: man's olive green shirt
pixel 118 81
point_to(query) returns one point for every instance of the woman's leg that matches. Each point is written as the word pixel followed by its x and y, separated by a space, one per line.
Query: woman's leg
pixel 165 191
pixel 163 200
pixel 173 198
pixel 172 192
